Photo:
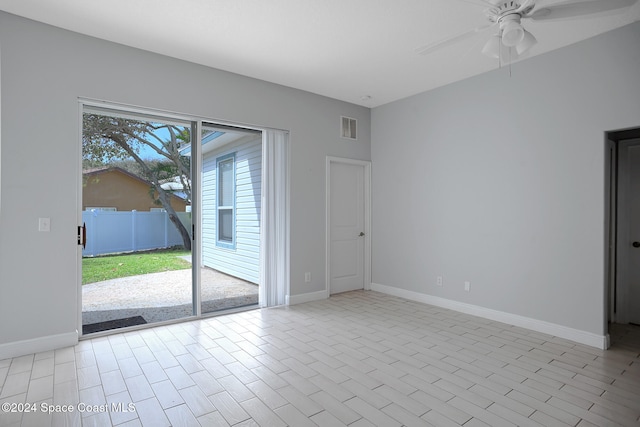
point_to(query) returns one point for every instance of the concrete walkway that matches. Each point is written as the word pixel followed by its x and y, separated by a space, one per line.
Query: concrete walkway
pixel 163 296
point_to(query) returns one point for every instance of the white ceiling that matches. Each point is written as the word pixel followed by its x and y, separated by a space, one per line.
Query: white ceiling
pixel 343 49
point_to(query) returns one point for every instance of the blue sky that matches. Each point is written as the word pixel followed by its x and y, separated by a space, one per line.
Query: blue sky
pixel 147 153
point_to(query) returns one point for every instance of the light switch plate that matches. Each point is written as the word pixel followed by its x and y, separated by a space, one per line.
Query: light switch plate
pixel 44 224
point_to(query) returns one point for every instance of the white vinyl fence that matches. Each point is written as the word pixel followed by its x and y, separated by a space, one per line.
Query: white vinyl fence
pixel 112 232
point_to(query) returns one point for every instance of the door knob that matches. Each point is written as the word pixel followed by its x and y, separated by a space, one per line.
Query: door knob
pixel 636 244
pixel 362 234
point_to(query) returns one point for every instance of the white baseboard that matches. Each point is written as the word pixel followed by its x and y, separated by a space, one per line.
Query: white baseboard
pixel 37 345
pixel 308 297
pixel 582 337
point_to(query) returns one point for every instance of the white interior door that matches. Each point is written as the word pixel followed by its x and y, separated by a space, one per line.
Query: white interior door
pixel 628 283
pixel 347 226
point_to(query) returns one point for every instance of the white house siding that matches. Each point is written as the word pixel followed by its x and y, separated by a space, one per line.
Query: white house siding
pixel 244 260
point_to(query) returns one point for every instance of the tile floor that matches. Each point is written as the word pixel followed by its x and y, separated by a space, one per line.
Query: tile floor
pixel 357 359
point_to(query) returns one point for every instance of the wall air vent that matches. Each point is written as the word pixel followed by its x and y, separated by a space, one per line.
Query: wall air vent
pixel 348 128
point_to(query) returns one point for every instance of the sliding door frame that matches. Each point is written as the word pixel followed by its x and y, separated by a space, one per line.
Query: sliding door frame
pixel 196 215
pixel 196 205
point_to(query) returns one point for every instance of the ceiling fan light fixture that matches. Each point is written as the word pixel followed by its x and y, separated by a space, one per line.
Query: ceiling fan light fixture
pixel 528 41
pixel 492 47
pixel 512 33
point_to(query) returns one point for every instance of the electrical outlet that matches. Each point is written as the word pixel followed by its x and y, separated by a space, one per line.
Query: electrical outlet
pixel 439 281
pixel 467 286
pixel 307 277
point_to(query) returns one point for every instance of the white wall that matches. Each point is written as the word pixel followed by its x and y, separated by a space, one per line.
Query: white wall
pixel 243 261
pixel 44 71
pixel 499 181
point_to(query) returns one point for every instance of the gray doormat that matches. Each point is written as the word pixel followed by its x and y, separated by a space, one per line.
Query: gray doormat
pixel 112 324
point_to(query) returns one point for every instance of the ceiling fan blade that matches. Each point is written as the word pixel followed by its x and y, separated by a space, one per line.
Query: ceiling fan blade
pixel 526 6
pixel 432 47
pixel 574 9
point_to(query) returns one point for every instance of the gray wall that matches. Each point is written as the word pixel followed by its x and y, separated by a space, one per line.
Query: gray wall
pixel 500 181
pixel 44 71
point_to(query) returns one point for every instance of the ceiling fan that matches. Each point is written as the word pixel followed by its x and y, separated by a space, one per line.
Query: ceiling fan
pixel 507 16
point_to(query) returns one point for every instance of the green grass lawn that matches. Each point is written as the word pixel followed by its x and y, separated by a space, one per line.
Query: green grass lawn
pixel 108 267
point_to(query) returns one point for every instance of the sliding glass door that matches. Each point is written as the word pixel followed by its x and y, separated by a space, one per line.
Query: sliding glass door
pixel 172 218
pixel 231 185
pixel 136 214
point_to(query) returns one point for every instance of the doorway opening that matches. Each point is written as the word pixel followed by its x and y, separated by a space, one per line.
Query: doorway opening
pixel 623 236
pixel 198 194
pixel 231 188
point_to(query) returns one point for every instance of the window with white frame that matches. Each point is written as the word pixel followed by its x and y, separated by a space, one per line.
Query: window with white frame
pixel 226 201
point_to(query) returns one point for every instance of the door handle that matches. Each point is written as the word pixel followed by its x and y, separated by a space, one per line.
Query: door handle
pixel 82 235
pixel 636 244
pixel 362 234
